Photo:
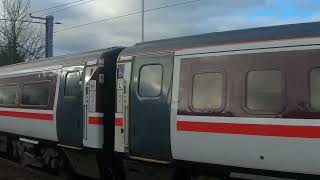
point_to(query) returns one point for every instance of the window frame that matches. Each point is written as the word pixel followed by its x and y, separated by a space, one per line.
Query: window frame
pixel 224 93
pixel 36 82
pixel 138 90
pixel 17 95
pixel 311 109
pixel 283 94
pixel 65 83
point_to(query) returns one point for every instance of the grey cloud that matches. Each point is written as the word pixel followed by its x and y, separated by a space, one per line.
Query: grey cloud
pixel 197 18
pixel 200 17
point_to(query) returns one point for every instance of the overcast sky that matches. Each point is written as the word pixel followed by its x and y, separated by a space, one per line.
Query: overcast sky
pixel 195 18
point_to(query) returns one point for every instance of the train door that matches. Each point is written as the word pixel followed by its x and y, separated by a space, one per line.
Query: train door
pixel 69 110
pixel 150 102
pixel 122 107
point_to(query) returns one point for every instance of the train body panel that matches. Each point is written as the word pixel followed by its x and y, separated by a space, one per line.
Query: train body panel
pixel 122 106
pixel 28 102
pixel 230 148
pixel 223 130
pixel 119 140
pixel 231 134
pixel 25 121
pixel 94 135
pixel 92 107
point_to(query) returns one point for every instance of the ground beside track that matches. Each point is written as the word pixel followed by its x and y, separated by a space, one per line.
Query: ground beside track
pixel 12 171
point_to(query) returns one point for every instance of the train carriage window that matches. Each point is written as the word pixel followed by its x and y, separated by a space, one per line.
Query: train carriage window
pixel 207 92
pixel 72 87
pixel 315 89
pixel 264 91
pixel 8 95
pixel 150 84
pixel 36 94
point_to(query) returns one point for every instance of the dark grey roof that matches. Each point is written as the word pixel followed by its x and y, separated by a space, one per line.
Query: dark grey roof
pixel 229 37
pixel 65 61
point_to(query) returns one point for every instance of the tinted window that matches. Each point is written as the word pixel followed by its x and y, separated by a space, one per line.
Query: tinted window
pixel 264 91
pixel 207 91
pixel 35 94
pixel 72 87
pixel 8 95
pixel 150 84
pixel 315 89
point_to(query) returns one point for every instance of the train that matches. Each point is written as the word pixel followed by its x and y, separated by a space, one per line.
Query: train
pixel 203 106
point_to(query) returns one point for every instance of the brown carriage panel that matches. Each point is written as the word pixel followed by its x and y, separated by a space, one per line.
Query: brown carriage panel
pixel 21 80
pixel 295 67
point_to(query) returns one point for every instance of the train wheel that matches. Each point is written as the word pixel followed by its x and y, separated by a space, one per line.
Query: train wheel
pixel 13 150
pixel 118 173
pixel 60 166
pixel 64 173
pixel 181 174
pixel 115 173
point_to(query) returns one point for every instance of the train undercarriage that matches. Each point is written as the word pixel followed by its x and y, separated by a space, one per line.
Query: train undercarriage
pixel 50 157
pixel 65 163
pixel 34 154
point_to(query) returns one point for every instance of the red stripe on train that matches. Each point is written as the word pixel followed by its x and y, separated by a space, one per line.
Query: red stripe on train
pixel 119 122
pixel 251 129
pixel 26 115
pixel 96 120
pixel 99 121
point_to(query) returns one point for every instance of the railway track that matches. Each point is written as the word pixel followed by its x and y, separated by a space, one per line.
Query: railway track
pixel 10 170
pixel 13 171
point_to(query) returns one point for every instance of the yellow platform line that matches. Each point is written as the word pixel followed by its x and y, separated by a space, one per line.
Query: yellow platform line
pixel 149 160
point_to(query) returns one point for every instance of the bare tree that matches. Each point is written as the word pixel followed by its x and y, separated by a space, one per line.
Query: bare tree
pixel 20 39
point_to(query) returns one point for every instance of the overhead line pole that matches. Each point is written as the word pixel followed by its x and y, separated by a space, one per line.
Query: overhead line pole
pixel 49 33
pixel 142 21
pixel 49 36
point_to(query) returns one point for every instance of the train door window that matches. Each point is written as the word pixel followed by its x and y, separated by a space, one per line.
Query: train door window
pixel 207 92
pixel 264 91
pixel 150 83
pixel 35 94
pixel 72 87
pixel 315 89
pixel 8 95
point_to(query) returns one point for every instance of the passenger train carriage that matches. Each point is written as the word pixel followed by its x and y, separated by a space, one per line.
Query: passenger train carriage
pixel 205 105
pixel 57 103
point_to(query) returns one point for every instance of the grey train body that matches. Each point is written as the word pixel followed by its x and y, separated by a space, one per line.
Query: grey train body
pixel 183 108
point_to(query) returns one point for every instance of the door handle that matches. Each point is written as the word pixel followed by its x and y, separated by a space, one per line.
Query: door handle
pixel 134 129
pixel 126 126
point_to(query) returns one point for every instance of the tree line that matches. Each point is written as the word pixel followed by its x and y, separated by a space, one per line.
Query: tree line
pixel 20 39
